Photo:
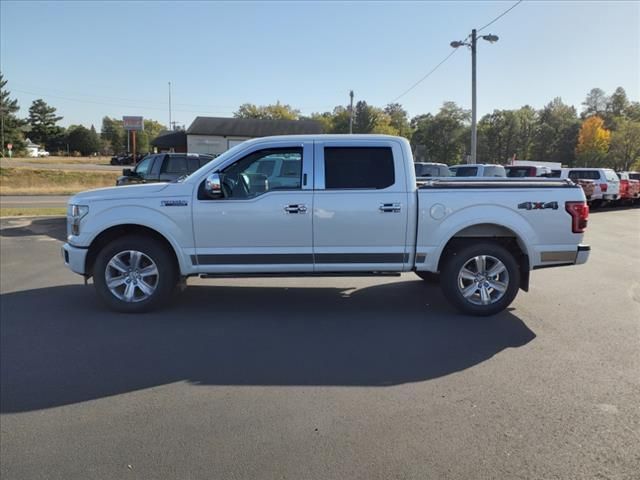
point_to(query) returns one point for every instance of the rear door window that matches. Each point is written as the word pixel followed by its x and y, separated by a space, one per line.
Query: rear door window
pixel 175 164
pixel 584 174
pixel 358 167
pixel 466 171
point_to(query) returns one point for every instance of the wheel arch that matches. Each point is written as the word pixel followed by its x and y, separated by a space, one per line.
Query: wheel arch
pixel 500 234
pixel 111 233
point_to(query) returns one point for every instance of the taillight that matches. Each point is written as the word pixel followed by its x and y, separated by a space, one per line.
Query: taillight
pixel 579 212
pixel 603 187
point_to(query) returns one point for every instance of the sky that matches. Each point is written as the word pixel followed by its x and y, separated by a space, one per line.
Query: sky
pixel 91 59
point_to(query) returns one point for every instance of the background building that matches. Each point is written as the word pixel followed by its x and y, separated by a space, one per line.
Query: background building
pixel 214 135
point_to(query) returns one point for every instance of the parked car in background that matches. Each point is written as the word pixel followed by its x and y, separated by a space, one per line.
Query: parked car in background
pixel 523 171
pixel 607 183
pixel 478 170
pixel 163 167
pixel 127 158
pixel 43 153
pixel 629 187
pixel 430 170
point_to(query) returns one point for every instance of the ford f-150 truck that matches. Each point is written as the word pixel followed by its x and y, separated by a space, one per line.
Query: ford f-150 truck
pixel 324 205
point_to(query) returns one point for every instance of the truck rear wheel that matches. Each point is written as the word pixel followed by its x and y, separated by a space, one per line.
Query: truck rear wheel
pixel 480 278
pixel 134 274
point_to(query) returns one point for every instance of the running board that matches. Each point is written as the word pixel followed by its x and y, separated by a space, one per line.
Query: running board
pixel 296 275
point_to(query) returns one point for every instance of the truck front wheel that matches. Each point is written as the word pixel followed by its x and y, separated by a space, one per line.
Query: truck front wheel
pixel 134 274
pixel 480 278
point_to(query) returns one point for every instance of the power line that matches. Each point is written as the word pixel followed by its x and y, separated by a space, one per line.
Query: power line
pixel 425 77
pixel 454 51
pixel 500 16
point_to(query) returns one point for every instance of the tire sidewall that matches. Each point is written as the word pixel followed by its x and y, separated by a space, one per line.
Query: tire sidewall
pixel 458 258
pixel 167 274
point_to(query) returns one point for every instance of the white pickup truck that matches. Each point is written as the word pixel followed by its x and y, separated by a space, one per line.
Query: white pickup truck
pixel 324 205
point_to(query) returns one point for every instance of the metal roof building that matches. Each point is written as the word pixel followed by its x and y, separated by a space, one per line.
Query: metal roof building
pixel 215 135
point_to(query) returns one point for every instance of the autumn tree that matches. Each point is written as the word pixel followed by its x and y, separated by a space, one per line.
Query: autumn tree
pixel 593 142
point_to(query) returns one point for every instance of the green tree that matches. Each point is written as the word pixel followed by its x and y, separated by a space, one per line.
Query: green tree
pixel 277 111
pixel 618 103
pixel 83 140
pixel 556 133
pixel 624 149
pixel 365 118
pixel 527 119
pixel 12 126
pixel 113 136
pixel 43 120
pixel 595 103
pixel 441 137
pixel 398 119
pixel 498 135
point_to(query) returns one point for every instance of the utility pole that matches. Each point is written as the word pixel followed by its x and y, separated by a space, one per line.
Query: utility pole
pixel 351 112
pixel 474 126
pixel 169 105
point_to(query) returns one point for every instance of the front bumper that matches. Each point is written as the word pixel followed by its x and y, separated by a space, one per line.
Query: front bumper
pixel 583 254
pixel 75 258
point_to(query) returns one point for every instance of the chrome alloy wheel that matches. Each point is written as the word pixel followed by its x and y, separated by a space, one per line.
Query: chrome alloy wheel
pixel 483 280
pixel 131 276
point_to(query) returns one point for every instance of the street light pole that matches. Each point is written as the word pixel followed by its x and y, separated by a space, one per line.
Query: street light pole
pixel 474 125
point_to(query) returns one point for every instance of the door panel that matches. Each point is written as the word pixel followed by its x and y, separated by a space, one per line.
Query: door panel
pixel 360 229
pixel 269 230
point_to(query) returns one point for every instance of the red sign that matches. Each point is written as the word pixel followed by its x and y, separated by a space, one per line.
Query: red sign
pixel 133 123
pixel 9 146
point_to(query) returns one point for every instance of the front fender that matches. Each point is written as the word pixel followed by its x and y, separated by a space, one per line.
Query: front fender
pixel 174 225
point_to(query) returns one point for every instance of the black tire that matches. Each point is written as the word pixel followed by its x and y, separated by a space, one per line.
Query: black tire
pixel 461 256
pixel 164 282
pixel 429 277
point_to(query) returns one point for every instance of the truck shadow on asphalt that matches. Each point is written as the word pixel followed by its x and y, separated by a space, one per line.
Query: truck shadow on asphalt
pixel 59 347
pixel 53 227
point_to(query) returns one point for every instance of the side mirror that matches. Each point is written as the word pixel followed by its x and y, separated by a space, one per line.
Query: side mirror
pixel 213 186
pixel 128 172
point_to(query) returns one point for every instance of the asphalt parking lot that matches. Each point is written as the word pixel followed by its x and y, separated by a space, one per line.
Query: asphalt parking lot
pixel 347 378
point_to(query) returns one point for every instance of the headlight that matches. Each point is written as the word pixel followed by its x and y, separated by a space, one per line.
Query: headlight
pixel 76 214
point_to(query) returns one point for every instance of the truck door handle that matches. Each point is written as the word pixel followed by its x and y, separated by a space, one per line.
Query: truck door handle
pixel 390 207
pixel 295 209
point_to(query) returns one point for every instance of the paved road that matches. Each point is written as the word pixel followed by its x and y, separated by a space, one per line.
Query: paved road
pixel 321 378
pixel 7 163
pixel 32 201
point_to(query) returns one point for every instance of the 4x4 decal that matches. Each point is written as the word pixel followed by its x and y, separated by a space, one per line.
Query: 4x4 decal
pixel 538 205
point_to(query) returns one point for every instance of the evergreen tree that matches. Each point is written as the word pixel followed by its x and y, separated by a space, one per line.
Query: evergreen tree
pixel 11 125
pixel 42 120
